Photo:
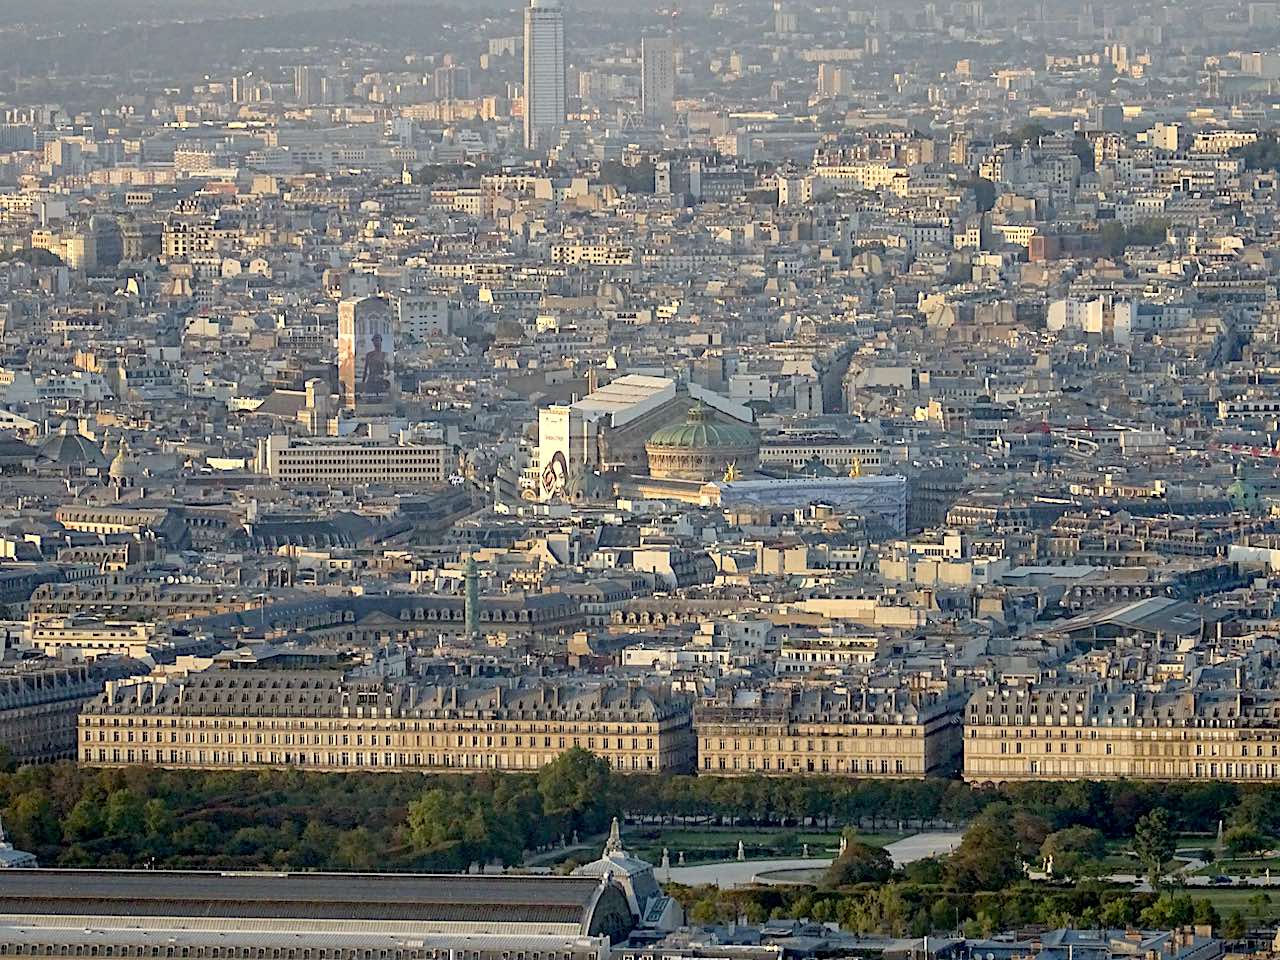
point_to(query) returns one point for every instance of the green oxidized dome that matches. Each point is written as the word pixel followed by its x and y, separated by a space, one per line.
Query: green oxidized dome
pixel 699 433
pixel 1242 494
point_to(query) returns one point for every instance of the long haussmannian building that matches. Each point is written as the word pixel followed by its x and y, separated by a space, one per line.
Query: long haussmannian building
pixel 320 720
pixel 37 710
pixel 325 720
pixel 39 704
pixel 1074 731
pixel 790 730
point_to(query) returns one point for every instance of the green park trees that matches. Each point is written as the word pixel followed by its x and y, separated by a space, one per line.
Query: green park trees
pixel 1262 154
pixel 859 862
pixel 988 856
pixel 1073 851
pixel 499 818
pixel 1235 926
pixel 576 789
pixel 1245 840
pixel 1153 842
pixel 289 819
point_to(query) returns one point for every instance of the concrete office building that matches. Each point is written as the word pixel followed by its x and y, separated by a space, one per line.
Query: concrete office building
pixel 401 461
pixel 544 73
pixel 423 316
pixel 657 79
pixel 451 82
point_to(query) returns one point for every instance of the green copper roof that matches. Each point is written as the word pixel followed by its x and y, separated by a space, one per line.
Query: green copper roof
pixel 1242 491
pixel 699 433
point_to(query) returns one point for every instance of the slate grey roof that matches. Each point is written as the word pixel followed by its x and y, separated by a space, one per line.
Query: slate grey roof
pixel 1106 704
pixel 322 693
pixel 310 896
pixel 825 705
pixel 66 446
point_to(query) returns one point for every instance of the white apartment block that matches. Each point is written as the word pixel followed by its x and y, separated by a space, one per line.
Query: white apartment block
pixel 401 462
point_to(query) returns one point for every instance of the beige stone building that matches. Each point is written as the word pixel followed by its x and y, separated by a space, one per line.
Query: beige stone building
pixel 796 452
pixel 1088 731
pixel 121 598
pixel 893 734
pixel 225 719
pixel 111 519
pixel 90 637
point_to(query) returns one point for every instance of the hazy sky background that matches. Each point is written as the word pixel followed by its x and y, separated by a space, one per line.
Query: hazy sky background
pixel 79 51
pixel 103 11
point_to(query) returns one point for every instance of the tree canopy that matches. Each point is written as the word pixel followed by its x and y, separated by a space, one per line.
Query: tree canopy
pixel 291 819
pixel 635 178
pixel 984 193
pixel 1262 154
pixel 35 256
pixel 1073 849
pixel 859 863
pixel 987 857
pixel 1153 842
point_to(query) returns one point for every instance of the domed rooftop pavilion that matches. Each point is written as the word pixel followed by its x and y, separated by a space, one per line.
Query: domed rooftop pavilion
pixel 702 449
pixel 68 450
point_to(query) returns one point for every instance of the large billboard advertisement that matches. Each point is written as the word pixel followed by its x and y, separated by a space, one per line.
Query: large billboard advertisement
pixel 554 450
pixel 366 352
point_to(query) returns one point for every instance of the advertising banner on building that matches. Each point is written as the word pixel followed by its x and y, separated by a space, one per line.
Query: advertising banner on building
pixel 366 352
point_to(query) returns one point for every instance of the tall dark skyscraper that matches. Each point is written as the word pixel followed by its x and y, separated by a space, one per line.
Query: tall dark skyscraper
pixel 308 85
pixel 544 79
pixel 657 79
